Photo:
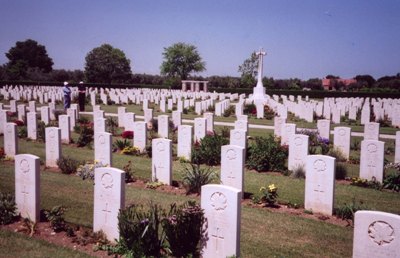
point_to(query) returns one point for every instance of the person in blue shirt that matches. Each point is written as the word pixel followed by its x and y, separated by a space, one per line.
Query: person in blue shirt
pixel 67 96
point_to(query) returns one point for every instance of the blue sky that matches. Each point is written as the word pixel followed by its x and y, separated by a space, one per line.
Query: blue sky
pixel 303 39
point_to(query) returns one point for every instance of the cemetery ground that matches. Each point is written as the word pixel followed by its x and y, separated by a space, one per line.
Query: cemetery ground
pixel 284 231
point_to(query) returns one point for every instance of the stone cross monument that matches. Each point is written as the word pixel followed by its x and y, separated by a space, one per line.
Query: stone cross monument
pixel 259 90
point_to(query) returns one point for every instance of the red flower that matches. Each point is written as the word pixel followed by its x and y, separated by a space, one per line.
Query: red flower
pixel 127 135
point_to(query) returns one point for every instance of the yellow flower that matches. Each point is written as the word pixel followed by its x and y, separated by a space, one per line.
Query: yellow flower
pixel 262 189
pixel 272 188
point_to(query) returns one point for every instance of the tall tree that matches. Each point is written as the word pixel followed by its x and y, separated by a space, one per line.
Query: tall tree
pixel 249 70
pixel 106 64
pixel 180 60
pixel 366 79
pixel 26 55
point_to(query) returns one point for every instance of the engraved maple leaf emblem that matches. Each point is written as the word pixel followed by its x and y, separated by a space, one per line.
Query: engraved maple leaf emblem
pixel 381 232
pixel 319 165
pixel 218 201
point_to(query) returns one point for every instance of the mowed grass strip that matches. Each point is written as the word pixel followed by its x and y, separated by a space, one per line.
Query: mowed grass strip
pixel 16 245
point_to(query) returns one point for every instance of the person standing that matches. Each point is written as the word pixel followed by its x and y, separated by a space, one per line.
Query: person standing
pixel 82 96
pixel 67 96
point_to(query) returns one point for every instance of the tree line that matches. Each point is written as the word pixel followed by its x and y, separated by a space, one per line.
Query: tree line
pixel 29 61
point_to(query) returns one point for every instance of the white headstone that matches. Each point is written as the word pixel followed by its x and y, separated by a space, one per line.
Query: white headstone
pixel 210 121
pixel 10 140
pixel 232 166
pixel 99 125
pixel 140 135
pixel 371 131
pixel 129 120
pixel 298 151
pixel 200 125
pixel 278 123
pixel 72 118
pixel 341 140
pixel 31 125
pixel 324 128
pixel 372 159
pixel 376 234
pixel 3 120
pixel 148 115
pixel 162 161
pixel 27 186
pixel 22 112
pixel 45 114
pixel 176 118
pixel 53 146
pixel 185 139
pixel 64 125
pixel 239 138
pixel 109 198
pixel 397 148
pixel 121 116
pixel 242 125
pixel 102 148
pixel 222 209
pixel 320 184
pixel 287 131
pixel 163 126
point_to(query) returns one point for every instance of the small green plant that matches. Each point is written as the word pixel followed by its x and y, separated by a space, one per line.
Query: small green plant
pixel 87 171
pixel 121 144
pixel 86 136
pixel 184 229
pixel 208 150
pixel 337 154
pixel 131 150
pixel 225 132
pixel 299 172
pixel 229 111
pixel 194 177
pixel 28 227
pixel 347 211
pixel 341 171
pixel 112 125
pixel 67 164
pixel 41 131
pixel 392 180
pixel 8 208
pixel 140 230
pixel 267 196
pixel 266 154
pixel 355 145
pixel 22 132
pixel 308 212
pixel 129 173
pixel 56 219
pixel 154 185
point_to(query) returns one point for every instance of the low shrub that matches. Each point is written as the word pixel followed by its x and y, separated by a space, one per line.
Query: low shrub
pixel 140 230
pixel 122 144
pixel 41 131
pixel 56 219
pixel 87 171
pixel 67 164
pixel 8 208
pixel 355 145
pixel 299 172
pixel 356 181
pixel 341 171
pixel 392 180
pixel 86 136
pixel 347 211
pixel 194 177
pixel 127 134
pixel 337 154
pixel 267 196
pixel 18 122
pixel 225 132
pixel 129 177
pixel 112 125
pixel 184 229
pixel 266 154
pixel 22 132
pixel 208 150
pixel 2 153
pixel 131 150
pixel 229 111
